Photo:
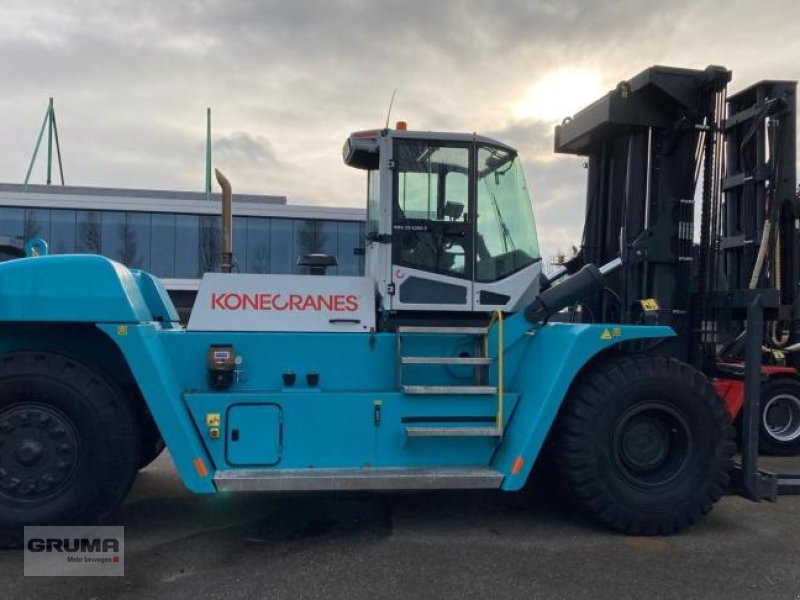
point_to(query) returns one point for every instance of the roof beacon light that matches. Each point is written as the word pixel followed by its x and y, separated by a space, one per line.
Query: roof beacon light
pixel 401 126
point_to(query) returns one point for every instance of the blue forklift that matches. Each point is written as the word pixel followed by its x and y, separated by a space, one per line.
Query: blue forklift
pixel 441 368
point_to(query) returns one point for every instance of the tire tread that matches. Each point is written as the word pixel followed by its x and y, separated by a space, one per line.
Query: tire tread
pixel 115 465
pixel 590 489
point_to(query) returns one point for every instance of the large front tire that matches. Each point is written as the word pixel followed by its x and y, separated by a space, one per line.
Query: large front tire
pixel 644 444
pixel 69 444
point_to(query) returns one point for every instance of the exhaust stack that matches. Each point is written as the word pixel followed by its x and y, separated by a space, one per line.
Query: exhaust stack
pixel 226 265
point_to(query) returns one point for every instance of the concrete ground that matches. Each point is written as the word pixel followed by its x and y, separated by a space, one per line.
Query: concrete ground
pixel 423 545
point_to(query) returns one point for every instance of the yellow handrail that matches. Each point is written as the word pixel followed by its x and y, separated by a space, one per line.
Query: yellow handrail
pixel 497 316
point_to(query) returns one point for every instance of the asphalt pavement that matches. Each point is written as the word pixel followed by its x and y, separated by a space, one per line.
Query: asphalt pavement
pixel 423 545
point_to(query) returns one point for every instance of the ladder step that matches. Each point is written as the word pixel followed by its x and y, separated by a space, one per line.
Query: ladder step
pixel 261 480
pixel 449 389
pixel 454 432
pixel 444 330
pixel 445 360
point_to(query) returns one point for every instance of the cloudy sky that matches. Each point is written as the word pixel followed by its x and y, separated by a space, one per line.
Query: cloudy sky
pixel 288 80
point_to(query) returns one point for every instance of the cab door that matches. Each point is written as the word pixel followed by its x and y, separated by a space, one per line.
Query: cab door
pixel 432 225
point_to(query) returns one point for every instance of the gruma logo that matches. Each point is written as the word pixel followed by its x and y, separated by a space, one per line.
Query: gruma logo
pixel 233 301
pixel 83 545
pixel 75 551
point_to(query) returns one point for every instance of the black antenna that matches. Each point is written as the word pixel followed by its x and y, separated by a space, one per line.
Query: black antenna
pixel 389 114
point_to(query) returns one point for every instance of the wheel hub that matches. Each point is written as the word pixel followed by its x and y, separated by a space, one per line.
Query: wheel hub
pixel 651 444
pixel 29 452
pixel 781 416
pixel 38 452
pixel 645 444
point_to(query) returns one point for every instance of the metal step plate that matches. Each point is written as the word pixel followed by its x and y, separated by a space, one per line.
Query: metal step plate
pixel 445 360
pixel 263 480
pixel 454 432
pixel 445 330
pixel 449 389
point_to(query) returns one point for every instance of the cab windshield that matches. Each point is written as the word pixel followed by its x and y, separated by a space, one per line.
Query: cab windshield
pixel 506 233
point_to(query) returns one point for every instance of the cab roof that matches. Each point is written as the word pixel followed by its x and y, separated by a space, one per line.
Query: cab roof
pixel 431 135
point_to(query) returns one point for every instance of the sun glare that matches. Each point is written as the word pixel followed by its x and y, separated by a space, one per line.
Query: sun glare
pixel 560 94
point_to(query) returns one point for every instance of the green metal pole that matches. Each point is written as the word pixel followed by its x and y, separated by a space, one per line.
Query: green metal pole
pixel 208 154
pixel 50 142
pixel 58 147
pixel 35 151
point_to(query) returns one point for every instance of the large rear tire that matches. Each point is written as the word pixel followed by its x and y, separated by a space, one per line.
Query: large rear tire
pixel 779 423
pixel 644 444
pixel 69 444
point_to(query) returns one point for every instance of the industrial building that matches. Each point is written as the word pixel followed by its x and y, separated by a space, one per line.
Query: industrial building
pixel 176 235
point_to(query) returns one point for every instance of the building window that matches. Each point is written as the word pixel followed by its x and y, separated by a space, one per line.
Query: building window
pixel 210 243
pixel 88 234
pixel 258 245
pixel 327 242
pixel 12 222
pixel 112 230
pixel 187 246
pixel 62 232
pixel 350 236
pixel 162 245
pixel 239 245
pixel 281 246
pixel 37 224
pixel 137 240
pixel 305 241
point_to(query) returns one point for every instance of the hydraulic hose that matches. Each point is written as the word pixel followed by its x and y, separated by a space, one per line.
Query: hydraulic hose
pixel 779 342
pixel 762 252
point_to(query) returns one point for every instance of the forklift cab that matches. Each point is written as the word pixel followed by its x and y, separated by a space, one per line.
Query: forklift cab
pixel 449 221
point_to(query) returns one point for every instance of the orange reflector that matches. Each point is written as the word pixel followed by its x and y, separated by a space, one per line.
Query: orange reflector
pixel 517 466
pixel 200 467
pixel 401 126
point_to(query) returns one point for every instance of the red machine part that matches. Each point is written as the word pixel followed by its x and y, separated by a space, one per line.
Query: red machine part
pixel 732 393
pixel 732 390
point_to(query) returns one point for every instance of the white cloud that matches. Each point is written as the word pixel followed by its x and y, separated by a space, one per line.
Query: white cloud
pixel 132 80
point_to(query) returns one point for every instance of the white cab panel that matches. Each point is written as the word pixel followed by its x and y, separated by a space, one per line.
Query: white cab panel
pixel 311 303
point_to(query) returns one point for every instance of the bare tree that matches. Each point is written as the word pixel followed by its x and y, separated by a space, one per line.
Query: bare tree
pixel 32 226
pixel 210 243
pixel 321 238
pixel 89 234
pixel 130 246
pixel 260 260
pixel 306 238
